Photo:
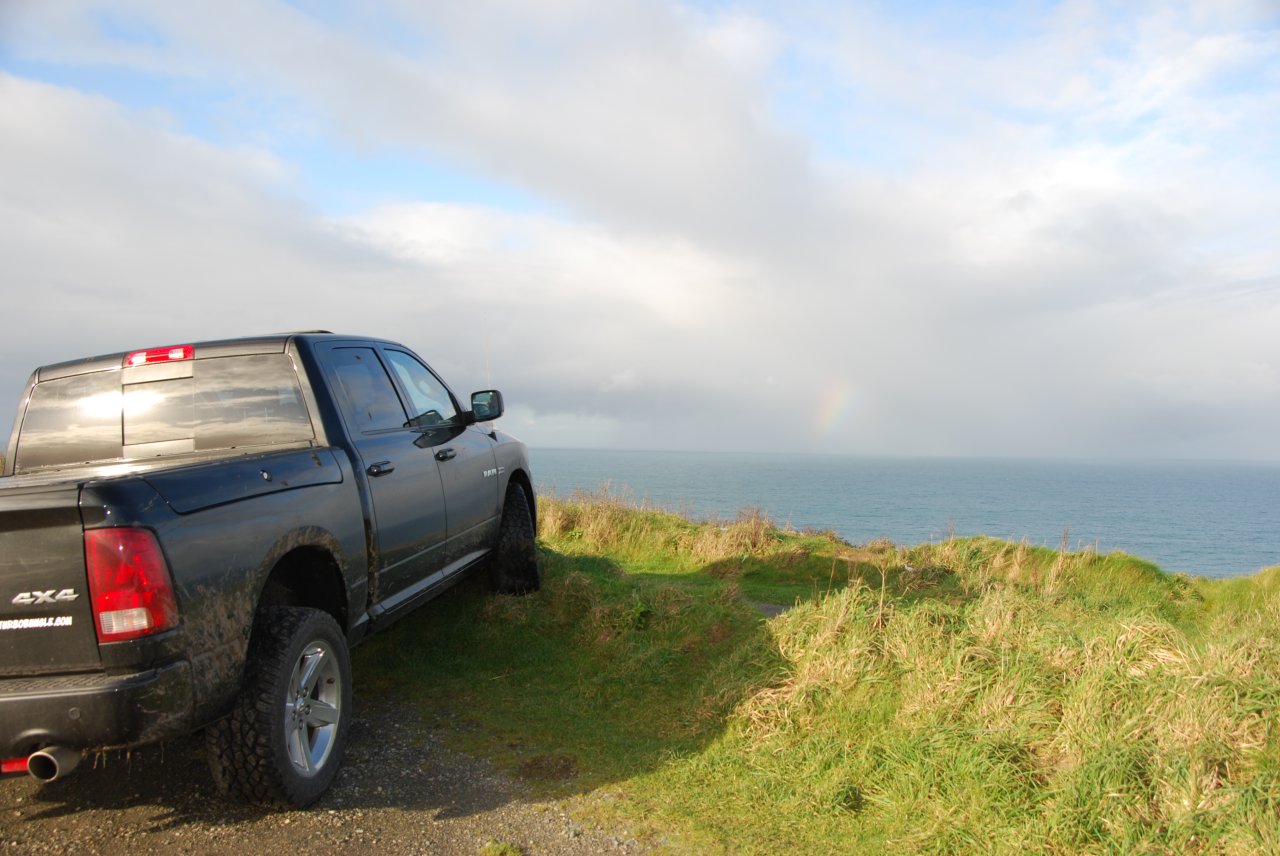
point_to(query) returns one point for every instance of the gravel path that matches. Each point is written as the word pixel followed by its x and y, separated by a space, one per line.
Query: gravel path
pixel 400 790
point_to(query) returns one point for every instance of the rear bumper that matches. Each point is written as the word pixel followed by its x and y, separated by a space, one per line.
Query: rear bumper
pixel 94 711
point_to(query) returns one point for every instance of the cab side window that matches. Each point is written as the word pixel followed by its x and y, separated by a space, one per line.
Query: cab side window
pixel 369 400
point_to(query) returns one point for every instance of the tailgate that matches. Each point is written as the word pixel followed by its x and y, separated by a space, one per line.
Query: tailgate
pixel 46 619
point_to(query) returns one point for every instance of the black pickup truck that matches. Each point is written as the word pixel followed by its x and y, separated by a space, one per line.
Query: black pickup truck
pixel 193 536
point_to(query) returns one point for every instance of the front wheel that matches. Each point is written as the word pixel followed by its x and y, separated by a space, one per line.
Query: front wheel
pixel 514 569
pixel 284 739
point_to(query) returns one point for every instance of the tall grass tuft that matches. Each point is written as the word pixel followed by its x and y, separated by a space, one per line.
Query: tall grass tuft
pixel 1039 712
pixel 752 533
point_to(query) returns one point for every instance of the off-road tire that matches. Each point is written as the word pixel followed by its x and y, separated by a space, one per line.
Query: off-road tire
pixel 514 569
pixel 282 715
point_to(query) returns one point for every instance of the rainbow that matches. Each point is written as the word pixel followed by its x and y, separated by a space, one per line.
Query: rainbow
pixel 833 404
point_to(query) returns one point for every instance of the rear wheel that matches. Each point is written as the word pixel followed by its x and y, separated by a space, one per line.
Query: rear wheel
pixel 514 569
pixel 284 739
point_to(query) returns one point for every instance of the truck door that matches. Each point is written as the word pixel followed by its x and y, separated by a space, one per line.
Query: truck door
pixel 468 466
pixel 403 476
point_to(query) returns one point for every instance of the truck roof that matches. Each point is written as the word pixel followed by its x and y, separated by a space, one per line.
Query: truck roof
pixel 269 344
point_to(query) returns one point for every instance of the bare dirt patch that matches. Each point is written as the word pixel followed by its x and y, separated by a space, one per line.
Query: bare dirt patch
pixel 400 790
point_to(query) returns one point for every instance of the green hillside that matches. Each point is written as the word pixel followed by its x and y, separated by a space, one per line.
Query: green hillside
pixel 970 695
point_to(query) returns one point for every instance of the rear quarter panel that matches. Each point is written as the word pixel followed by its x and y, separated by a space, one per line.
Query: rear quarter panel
pixel 221 553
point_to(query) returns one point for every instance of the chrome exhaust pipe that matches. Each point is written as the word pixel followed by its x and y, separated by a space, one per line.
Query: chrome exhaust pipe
pixel 52 762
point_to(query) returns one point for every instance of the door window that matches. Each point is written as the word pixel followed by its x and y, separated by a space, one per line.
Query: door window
pixel 429 400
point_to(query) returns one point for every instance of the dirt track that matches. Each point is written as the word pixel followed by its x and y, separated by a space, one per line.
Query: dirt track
pixel 399 791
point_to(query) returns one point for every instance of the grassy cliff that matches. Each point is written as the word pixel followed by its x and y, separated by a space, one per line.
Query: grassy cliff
pixel 969 695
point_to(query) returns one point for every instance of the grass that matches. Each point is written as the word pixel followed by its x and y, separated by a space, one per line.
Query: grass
pixel 501 848
pixel 969 695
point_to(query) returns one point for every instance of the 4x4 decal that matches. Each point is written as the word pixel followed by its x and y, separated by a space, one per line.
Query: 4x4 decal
pixel 35 598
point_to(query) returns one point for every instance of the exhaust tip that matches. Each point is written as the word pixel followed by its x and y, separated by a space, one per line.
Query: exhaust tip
pixel 52 762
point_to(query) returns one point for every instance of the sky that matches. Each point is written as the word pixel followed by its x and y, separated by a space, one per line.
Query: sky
pixel 1018 229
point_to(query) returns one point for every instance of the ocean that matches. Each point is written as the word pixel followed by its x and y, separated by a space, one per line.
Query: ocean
pixel 1213 519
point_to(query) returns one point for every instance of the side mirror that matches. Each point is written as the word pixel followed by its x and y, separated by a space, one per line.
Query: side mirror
pixel 486 405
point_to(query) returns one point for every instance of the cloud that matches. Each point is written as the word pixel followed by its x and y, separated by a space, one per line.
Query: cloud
pixel 116 235
pixel 627 111
pixel 144 238
pixel 824 228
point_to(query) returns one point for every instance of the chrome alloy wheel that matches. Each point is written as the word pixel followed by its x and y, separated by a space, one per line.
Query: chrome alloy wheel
pixel 313 707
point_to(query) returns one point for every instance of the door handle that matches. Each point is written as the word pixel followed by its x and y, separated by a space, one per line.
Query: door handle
pixel 380 469
pixel 446 454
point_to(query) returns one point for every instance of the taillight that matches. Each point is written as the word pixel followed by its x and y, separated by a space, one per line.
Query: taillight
pixel 160 355
pixel 128 584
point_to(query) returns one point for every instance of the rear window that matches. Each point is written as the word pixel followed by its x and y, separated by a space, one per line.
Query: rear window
pixel 192 406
